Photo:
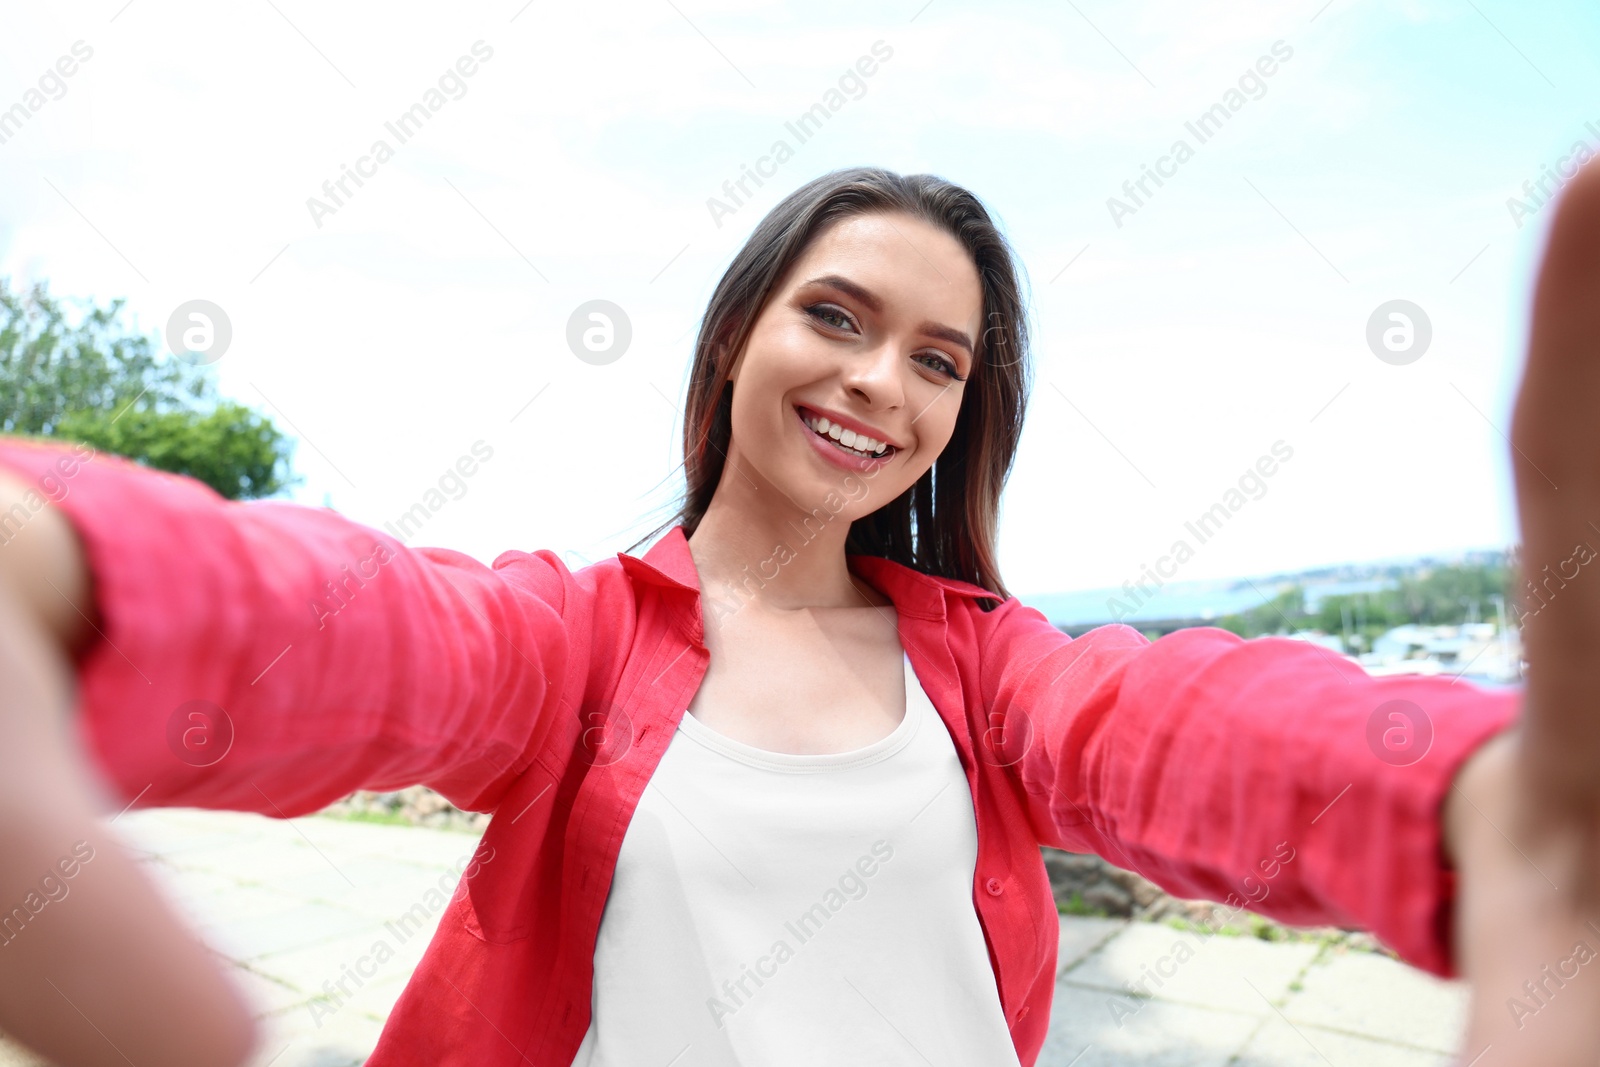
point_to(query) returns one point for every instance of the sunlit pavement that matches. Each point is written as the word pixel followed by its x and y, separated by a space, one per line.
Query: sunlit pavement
pixel 1241 1001
pixel 300 908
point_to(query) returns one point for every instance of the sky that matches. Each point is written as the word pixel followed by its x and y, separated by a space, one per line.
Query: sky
pixel 1181 333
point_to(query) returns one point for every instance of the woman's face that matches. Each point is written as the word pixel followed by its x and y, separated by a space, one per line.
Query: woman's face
pixel 873 329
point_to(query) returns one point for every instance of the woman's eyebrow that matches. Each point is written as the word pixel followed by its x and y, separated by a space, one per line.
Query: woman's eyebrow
pixel 867 297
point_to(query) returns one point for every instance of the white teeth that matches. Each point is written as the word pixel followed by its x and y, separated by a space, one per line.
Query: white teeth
pixel 860 444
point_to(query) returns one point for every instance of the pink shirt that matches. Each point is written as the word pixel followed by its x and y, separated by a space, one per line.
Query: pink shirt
pixel 344 660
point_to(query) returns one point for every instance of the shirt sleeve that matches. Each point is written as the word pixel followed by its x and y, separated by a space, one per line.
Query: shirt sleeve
pixel 1269 774
pixel 273 657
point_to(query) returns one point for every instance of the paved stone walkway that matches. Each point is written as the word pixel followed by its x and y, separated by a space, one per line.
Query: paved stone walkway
pixel 1241 1002
pixel 294 904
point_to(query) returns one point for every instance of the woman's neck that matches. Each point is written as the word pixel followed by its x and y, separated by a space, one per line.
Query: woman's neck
pixel 781 561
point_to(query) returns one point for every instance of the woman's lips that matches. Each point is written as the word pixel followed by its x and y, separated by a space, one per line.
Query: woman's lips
pixel 835 453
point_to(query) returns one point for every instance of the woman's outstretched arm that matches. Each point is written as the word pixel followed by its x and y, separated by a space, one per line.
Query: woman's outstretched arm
pixel 160 645
pixel 272 657
pixel 1267 774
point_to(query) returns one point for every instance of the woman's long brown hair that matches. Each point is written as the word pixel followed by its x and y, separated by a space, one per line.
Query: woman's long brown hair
pixel 946 523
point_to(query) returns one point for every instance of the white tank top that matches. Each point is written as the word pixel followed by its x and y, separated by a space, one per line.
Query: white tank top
pixel 780 909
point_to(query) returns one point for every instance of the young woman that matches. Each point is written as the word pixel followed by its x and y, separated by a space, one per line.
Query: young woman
pixel 774 791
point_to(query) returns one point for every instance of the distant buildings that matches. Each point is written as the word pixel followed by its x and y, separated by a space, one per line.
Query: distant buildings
pixel 1481 652
pixel 1478 651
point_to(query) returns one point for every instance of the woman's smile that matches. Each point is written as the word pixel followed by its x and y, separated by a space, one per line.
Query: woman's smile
pixel 840 444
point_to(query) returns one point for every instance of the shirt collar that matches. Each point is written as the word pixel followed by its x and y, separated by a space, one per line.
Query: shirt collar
pixel 669 564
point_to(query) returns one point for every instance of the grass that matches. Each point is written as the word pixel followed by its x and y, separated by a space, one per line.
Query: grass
pixel 1076 906
pixel 385 818
pixel 1267 930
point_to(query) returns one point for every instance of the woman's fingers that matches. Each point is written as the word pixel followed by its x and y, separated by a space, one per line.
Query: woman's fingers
pixel 95 968
pixel 1530 952
pixel 1555 436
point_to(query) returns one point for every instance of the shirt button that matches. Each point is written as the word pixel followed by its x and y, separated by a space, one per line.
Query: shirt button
pixel 994 887
pixel 1022 1013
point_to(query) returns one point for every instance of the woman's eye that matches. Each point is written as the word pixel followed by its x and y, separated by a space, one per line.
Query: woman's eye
pixel 824 312
pixel 940 364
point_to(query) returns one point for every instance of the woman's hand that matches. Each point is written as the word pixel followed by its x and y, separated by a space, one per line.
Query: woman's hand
pixel 94 966
pixel 1523 939
pixel 1523 821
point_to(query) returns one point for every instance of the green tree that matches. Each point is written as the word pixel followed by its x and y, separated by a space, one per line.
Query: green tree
pixel 1283 613
pixel 88 377
pixel 1432 597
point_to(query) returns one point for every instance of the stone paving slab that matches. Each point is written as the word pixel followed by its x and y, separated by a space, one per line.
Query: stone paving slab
pixel 1081 935
pixel 345 1040
pixel 375 884
pixel 1328 1008
pixel 238 902
pixel 268 994
pixel 368 958
pixel 1362 993
pixel 1237 974
pixel 301 907
pixel 259 859
pixel 1085 1031
pixel 287 930
pixel 1281 1044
